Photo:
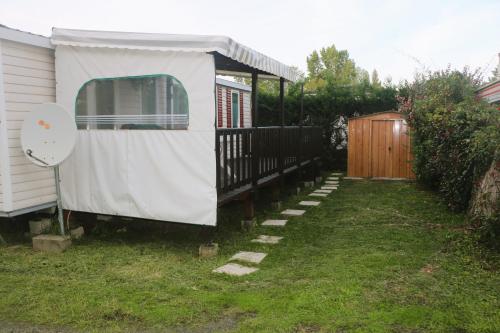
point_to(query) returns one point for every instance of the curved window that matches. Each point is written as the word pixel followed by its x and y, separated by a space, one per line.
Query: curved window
pixel 137 102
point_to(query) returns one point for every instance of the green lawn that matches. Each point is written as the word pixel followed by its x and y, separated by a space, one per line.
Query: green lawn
pixel 374 257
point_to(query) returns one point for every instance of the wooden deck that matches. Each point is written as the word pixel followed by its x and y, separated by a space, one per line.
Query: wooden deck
pixel 249 158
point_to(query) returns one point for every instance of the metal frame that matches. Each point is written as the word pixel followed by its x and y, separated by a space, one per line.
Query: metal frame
pixel 29 209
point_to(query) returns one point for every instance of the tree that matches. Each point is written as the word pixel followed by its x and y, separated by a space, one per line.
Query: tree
pixel 375 80
pixel 332 66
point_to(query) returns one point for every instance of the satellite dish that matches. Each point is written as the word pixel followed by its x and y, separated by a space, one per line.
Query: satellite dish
pixel 48 135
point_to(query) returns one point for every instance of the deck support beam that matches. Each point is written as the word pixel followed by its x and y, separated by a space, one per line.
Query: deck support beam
pixel 249 210
pixel 276 194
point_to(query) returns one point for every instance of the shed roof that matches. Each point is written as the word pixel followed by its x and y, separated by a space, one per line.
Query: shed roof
pixel 377 114
pixel 222 45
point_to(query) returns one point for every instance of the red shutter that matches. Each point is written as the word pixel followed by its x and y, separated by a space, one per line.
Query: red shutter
pixel 219 107
pixel 228 107
pixel 241 108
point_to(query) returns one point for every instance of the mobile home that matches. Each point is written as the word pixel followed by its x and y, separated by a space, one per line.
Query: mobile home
pixel 27 77
pixel 159 137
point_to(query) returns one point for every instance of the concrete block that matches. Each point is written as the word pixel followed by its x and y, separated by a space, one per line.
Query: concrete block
pixel 274 223
pixel 276 205
pixel 247 225
pixel 51 243
pixel 322 195
pixel 329 182
pixel 235 270
pixel 329 187
pixel 40 226
pixel 293 212
pixel 264 239
pixel 250 257
pixel 353 178
pixel 309 203
pixel 77 233
pixel 337 174
pixel 333 178
pixel 323 191
pixel 309 184
pixel 208 250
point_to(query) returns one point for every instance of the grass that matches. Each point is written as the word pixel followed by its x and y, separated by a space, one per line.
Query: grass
pixel 373 257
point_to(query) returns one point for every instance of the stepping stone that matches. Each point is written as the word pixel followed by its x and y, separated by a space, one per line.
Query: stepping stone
pixel 323 191
pixel 235 270
pixel 264 239
pixel 293 212
pixel 338 174
pixel 329 182
pixel 333 178
pixel 275 223
pixel 354 178
pixel 309 203
pixel 251 257
pixel 323 195
pixel 329 187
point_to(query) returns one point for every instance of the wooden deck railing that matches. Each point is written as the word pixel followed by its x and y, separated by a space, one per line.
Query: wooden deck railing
pixel 248 155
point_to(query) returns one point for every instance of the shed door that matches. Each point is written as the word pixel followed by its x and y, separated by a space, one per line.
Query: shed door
pixel 390 149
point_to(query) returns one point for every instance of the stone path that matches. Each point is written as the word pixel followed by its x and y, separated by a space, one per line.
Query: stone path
pixel 293 212
pixel 250 257
pixel 309 203
pixel 255 258
pixel 275 223
pixel 265 239
pixel 322 195
pixel 235 269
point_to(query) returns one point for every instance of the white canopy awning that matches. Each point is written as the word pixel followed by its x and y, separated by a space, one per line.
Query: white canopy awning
pixel 225 46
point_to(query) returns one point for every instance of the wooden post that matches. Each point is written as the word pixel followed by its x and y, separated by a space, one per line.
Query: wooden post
pixel 301 115
pixel 281 156
pixel 255 108
pixel 255 135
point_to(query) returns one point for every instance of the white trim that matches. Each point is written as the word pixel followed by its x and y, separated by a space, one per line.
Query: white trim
pixel 4 150
pixel 231 84
pixel 28 209
pixel 25 38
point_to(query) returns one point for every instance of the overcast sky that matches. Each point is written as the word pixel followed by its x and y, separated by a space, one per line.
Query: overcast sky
pixel 395 37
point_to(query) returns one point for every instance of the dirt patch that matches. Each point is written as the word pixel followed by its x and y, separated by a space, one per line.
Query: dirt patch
pixel 27 328
pixel 429 269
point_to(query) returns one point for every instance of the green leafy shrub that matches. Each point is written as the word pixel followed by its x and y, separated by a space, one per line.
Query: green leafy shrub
pixel 328 107
pixel 455 135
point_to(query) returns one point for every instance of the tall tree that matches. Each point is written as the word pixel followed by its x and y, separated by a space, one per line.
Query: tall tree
pixel 375 79
pixel 332 66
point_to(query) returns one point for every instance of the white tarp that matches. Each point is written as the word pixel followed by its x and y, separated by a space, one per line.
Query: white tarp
pixel 171 42
pixel 165 175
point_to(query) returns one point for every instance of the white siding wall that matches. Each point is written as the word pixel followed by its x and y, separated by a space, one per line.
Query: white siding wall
pixel 28 78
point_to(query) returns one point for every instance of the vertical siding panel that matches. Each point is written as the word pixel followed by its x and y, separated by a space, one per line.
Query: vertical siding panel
pixel 219 106
pixel 30 80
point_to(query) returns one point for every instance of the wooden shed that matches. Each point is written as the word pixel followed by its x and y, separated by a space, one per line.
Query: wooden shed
pixel 379 146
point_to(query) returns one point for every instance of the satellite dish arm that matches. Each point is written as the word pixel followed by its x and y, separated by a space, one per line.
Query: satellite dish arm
pixel 29 152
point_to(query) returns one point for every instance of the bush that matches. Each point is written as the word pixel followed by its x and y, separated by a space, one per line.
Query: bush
pixel 456 137
pixel 328 107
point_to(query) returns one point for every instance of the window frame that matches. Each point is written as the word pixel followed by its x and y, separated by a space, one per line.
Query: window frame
pixel 166 126
pixel 237 93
